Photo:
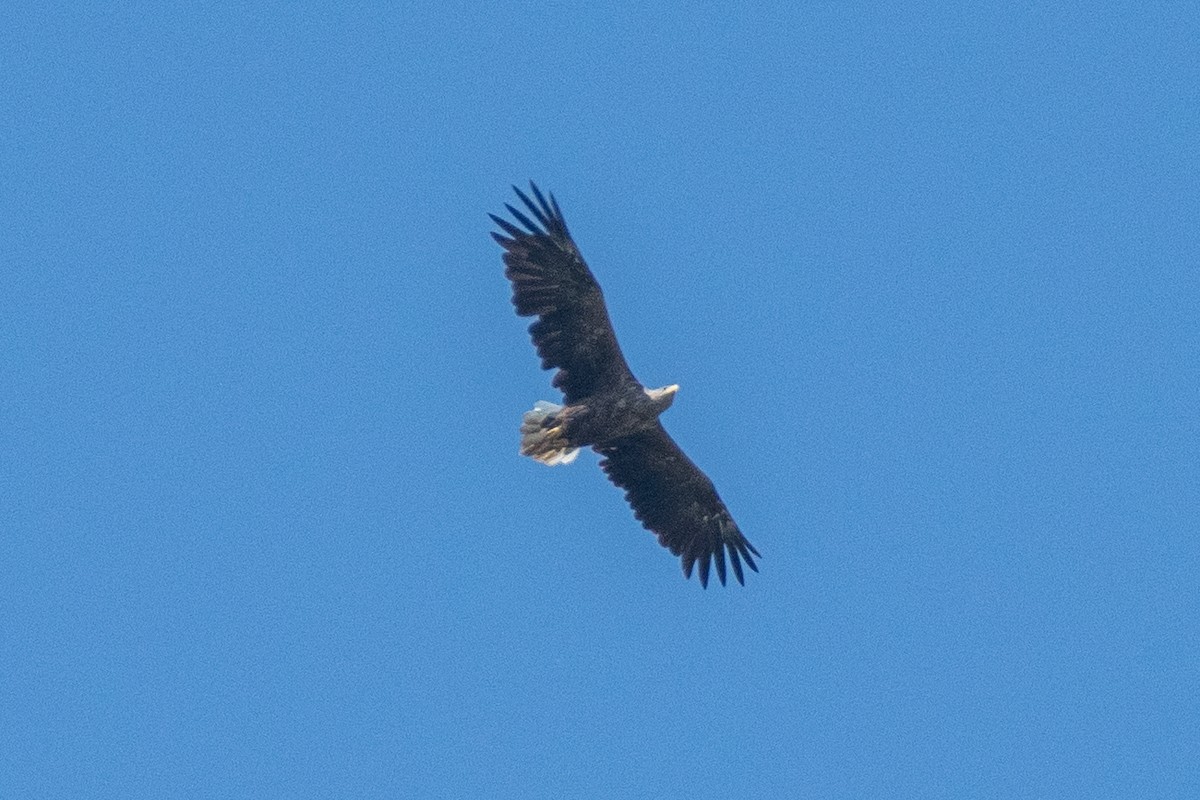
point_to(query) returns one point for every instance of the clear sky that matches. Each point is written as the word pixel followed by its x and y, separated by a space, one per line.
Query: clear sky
pixel 928 278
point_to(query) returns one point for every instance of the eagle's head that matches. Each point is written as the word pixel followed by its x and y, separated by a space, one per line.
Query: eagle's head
pixel 663 397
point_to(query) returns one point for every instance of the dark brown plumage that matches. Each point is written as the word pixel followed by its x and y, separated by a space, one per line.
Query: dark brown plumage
pixel 606 408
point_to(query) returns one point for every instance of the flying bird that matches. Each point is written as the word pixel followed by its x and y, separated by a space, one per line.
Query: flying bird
pixel 604 406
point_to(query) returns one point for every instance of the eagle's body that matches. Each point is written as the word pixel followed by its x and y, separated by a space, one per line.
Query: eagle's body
pixel 596 421
pixel 606 408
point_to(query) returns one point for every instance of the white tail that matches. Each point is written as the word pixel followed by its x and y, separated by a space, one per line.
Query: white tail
pixel 543 436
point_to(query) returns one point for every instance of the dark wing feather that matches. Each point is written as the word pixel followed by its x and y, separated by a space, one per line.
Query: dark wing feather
pixel 675 500
pixel 551 281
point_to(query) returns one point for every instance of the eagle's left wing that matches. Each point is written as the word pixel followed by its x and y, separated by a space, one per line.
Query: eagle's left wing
pixel 674 499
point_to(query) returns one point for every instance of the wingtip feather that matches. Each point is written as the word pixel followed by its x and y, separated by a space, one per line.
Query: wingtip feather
pixel 736 563
pixel 546 212
pixel 719 559
pixel 507 227
pixel 532 226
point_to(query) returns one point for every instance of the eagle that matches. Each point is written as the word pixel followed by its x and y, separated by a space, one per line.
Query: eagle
pixel 604 406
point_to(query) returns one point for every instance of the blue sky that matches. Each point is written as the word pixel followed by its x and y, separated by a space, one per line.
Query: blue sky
pixel 927 276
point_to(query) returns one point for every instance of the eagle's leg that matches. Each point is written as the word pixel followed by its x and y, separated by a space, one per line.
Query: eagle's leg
pixel 544 437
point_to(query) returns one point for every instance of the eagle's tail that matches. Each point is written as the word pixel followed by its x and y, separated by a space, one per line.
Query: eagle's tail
pixel 543 435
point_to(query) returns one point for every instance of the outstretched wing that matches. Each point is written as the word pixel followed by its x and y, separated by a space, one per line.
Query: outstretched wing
pixel 551 281
pixel 675 500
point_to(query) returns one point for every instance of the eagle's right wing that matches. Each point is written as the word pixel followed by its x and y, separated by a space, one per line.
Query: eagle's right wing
pixel 675 500
pixel 551 281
